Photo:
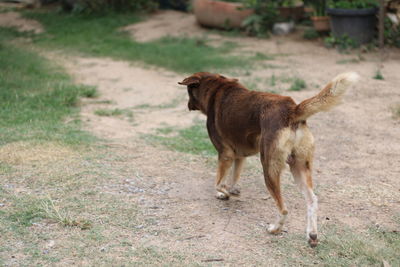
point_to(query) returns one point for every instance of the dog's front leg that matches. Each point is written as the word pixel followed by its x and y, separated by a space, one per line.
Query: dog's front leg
pixel 224 164
pixel 238 166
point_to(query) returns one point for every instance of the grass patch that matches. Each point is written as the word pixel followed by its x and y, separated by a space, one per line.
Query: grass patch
pixel 25 211
pixel 347 61
pixel 89 92
pixel 107 102
pixel 396 111
pixel 378 75
pixel 100 36
pixel 169 105
pixel 114 112
pixel 262 56
pixel 272 80
pixel 62 217
pixel 298 85
pixel 261 84
pixel 192 140
pixel 310 34
pixel 108 112
pixel 36 97
pixel 343 247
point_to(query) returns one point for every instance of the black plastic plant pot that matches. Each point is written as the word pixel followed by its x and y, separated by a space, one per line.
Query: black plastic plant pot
pixel 357 24
pixel 173 4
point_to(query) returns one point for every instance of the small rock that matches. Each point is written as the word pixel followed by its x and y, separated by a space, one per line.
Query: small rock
pixel 2 205
pixel 283 28
pixel 385 264
pixel 50 244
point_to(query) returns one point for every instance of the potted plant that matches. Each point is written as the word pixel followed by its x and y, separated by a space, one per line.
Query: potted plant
pixel 266 14
pixel 353 18
pixel 320 19
pixel 291 9
pixel 220 14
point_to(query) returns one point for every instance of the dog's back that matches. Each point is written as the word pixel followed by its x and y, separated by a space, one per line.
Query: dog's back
pixel 236 115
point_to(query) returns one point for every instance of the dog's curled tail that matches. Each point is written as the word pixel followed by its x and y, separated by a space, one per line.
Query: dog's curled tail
pixel 329 97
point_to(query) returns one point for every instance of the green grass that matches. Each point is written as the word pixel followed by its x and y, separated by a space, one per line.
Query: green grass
pixel 100 36
pixel 172 104
pixel 395 110
pixel 25 210
pixel 192 140
pixel 114 113
pixel 298 85
pixel 341 246
pixel 36 97
pixel 378 75
pixel 347 61
pixel 262 56
pixel 90 92
pixel 310 34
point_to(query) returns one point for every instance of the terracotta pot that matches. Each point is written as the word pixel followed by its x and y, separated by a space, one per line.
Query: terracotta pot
pixel 220 14
pixel 321 24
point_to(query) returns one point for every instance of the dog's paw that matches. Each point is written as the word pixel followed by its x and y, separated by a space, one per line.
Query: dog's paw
pixel 234 191
pixel 274 229
pixel 313 240
pixel 221 196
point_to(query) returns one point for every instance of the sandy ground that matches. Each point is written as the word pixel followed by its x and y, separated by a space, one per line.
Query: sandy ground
pixel 14 19
pixel 166 23
pixel 357 159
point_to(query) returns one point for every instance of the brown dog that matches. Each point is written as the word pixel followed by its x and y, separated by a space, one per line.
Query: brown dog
pixel 241 123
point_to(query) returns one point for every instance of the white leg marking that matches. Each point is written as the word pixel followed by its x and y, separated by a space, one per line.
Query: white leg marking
pixel 277 226
pixel 312 207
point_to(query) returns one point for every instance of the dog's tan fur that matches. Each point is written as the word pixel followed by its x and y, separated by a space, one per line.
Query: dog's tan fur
pixel 241 123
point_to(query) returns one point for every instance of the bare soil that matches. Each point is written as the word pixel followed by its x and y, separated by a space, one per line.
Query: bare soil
pixel 14 19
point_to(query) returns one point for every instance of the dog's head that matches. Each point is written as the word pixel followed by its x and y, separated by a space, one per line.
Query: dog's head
pixel 198 85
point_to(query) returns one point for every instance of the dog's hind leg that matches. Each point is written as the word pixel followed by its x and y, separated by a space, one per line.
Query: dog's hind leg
pixel 237 169
pixel 302 176
pixel 273 160
pixel 225 161
pixel 272 181
pixel 301 168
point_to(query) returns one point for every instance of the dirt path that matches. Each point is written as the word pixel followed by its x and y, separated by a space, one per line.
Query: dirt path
pixel 14 19
pixel 357 161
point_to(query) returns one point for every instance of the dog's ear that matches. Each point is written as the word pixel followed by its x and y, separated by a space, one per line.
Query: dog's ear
pixel 192 80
